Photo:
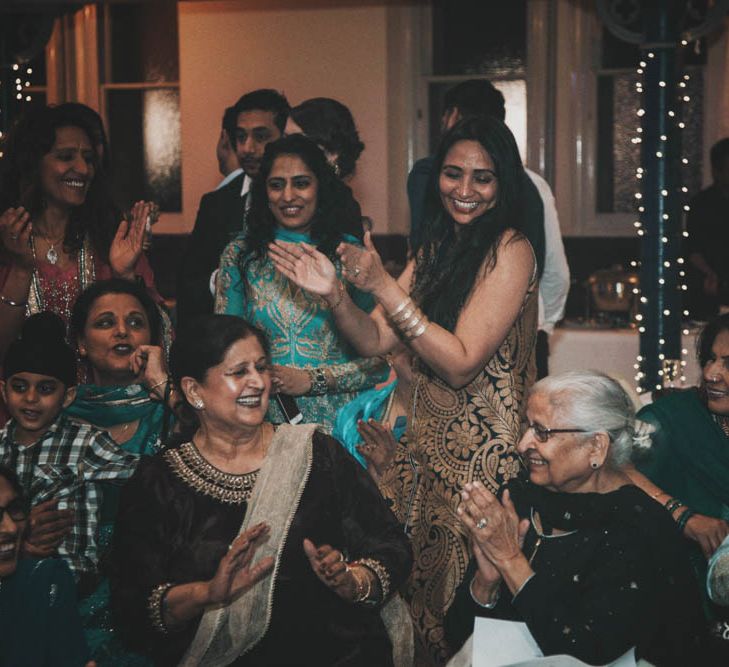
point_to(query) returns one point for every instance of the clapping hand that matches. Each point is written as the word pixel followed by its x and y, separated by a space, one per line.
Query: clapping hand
pixel 305 266
pixel 15 230
pixel 128 243
pixel 494 526
pixel 235 575
pixel 362 266
pixel 378 446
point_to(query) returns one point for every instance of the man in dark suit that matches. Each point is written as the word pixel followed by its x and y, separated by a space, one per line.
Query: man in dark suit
pixel 257 118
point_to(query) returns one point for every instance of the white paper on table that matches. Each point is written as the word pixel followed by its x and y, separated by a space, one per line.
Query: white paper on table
pixel 499 643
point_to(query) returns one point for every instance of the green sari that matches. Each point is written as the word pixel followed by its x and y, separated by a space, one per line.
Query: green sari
pixel 106 407
pixel 689 460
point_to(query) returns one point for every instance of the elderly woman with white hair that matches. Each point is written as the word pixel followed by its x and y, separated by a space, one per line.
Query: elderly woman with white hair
pixel 588 561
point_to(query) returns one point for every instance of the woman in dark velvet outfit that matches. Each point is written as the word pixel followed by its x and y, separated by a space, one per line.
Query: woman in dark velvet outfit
pixel 306 579
pixel 588 561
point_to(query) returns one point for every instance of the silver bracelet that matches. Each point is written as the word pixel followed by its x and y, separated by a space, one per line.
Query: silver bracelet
pixel 488 605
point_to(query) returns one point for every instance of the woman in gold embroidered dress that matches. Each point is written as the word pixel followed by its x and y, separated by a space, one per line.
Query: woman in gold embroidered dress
pixel 59 229
pixel 467 307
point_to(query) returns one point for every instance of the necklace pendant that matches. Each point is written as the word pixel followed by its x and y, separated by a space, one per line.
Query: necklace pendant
pixel 52 255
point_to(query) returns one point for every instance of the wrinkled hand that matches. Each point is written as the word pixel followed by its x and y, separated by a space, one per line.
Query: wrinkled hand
pixel 378 446
pixel 305 266
pixel 329 565
pixel 15 229
pixel 707 531
pixel 363 266
pixel 235 575
pixel 291 381
pixel 127 246
pixel 502 537
pixel 47 527
pixel 148 364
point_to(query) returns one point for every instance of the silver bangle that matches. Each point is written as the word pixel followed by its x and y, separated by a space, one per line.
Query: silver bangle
pixel 400 308
pixel 14 304
pixel 488 605
pixel 418 332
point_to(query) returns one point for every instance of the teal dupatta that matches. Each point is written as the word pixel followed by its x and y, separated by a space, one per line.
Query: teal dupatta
pixel 106 407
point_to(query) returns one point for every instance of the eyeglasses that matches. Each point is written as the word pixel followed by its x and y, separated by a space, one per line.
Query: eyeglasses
pixel 543 434
pixel 16 509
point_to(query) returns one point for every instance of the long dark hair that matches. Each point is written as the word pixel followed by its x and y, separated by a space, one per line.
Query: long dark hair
pixel 201 344
pixel 332 210
pixel 448 264
pixel 29 141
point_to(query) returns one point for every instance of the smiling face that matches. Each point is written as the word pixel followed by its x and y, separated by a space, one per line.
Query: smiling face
pixel 67 170
pixel 716 375
pixel 12 525
pixel 235 393
pixel 563 462
pixel 34 401
pixel 468 183
pixel 116 326
pixel 292 190
pixel 254 129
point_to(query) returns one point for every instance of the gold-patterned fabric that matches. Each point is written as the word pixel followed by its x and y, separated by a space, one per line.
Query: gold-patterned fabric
pixel 456 436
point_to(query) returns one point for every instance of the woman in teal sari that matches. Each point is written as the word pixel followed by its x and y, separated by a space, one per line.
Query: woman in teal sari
pixel 687 467
pixel 118 329
pixel 298 199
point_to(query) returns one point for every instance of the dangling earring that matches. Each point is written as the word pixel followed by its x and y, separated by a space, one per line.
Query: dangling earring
pixel 337 170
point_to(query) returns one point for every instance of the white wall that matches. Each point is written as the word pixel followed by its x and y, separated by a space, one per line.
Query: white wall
pixel 306 49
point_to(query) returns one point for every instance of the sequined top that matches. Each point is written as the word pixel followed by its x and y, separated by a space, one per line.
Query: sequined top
pixel 301 329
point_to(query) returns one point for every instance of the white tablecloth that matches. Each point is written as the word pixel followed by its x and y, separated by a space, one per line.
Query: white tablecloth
pixel 612 351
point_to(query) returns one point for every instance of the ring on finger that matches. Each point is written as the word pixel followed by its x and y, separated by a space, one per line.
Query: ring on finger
pixel 482 523
pixel 356 271
pixel 13 237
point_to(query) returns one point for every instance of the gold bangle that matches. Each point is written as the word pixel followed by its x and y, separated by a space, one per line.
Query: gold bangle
pixel 363 588
pixel 378 570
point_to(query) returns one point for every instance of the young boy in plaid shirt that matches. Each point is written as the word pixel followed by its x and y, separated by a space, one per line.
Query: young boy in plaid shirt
pixel 58 460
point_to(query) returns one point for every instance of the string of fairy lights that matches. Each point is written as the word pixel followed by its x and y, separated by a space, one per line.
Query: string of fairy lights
pixel 20 78
pixel 669 369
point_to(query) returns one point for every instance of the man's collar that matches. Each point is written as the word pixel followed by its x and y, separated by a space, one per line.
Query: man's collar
pixel 247 180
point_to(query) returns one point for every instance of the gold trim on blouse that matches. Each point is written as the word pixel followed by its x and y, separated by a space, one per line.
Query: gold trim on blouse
pixel 190 466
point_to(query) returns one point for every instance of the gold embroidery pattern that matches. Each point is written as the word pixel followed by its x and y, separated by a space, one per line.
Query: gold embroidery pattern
pixel 299 337
pixel 455 437
pixel 189 465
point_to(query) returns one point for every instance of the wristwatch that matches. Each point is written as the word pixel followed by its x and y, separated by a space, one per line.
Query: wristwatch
pixel 319 383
